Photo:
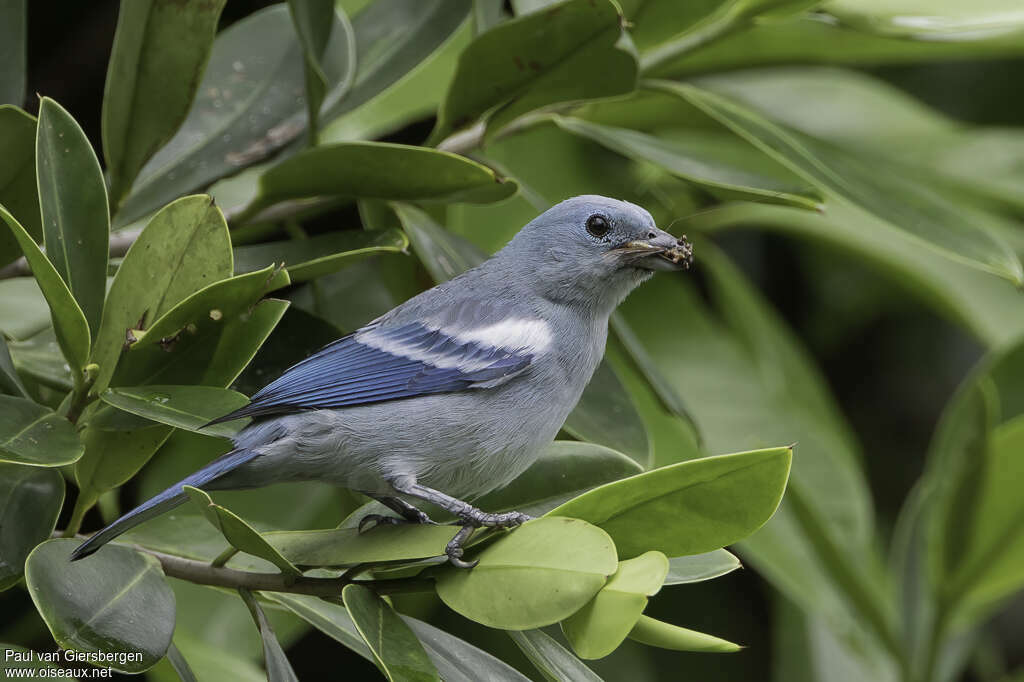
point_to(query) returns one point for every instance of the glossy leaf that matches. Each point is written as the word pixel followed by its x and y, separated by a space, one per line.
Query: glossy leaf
pixel 313 21
pixel 10 382
pixel 535 575
pixel 666 636
pixel 73 207
pixel 17 176
pixel 396 650
pixel 348 547
pixel 13 39
pixel 32 501
pixel 457 660
pixel 237 532
pixel 159 54
pixel 573 51
pixel 116 601
pixel 690 507
pixel 551 658
pixel 185 407
pixel 945 20
pixel 184 248
pixel 331 619
pixel 35 435
pixel 68 320
pixel 307 259
pixel 278 667
pixel 600 627
pixel 922 212
pixel 711 161
pixel 699 567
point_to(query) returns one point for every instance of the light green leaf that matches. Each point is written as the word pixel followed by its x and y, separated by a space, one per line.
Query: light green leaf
pixel 68 320
pixel 348 547
pixel 97 605
pixel 307 259
pixel 551 658
pixel 600 627
pixel 18 191
pixel 159 54
pixel 690 507
pixel 39 357
pixel 944 20
pixel 73 208
pixel 698 567
pixel 23 308
pixel 184 248
pixel 278 667
pixel 396 650
pixel 922 212
pixel 35 435
pixel 32 500
pixel 185 407
pixel 712 161
pixel 13 39
pixel 665 636
pixel 574 51
pixel 535 575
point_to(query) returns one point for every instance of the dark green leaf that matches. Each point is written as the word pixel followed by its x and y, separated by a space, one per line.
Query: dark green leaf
pixel 159 54
pixel 306 259
pixel 32 500
pixel 16 663
pixel 332 620
pixel 39 357
pixel 10 382
pixel 460 661
pixel 68 320
pixel 574 51
pixel 115 602
pixel 278 667
pixel 35 435
pixel 396 650
pixel 690 507
pixel 73 203
pixel 598 628
pixel 698 567
pixel 606 414
pixel 114 452
pixel 347 546
pixel 13 30
pixel 663 635
pixel 23 308
pixel 313 20
pixel 184 248
pixel 535 575
pixel 18 191
pixel 551 658
pixel 185 407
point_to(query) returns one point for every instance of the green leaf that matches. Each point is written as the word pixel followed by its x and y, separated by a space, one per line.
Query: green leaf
pixel 185 407
pixel 331 619
pixel 35 435
pixel 10 382
pixel 114 452
pixel 238 533
pixel 20 659
pixel 396 650
pixel 606 414
pixel 39 358
pixel 551 658
pixel 209 337
pixel 180 665
pixel 278 667
pixel 68 320
pixel 690 507
pixel 13 30
pixel 160 52
pixel 305 259
pixel 576 50
pixel 563 470
pixel 536 575
pixel 23 308
pixel 922 212
pixel 945 20
pixel 18 190
pixel 442 253
pixel 98 606
pixel 602 625
pixel 712 161
pixel 380 170
pixel 665 636
pixel 73 207
pixel 348 547
pixel 458 660
pixel 32 501
pixel 184 248
pixel 699 567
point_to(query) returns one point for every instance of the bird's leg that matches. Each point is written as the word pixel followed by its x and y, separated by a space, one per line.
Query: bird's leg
pixel 409 513
pixel 470 516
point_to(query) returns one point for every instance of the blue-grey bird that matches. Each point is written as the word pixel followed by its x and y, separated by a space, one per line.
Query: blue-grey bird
pixel 455 392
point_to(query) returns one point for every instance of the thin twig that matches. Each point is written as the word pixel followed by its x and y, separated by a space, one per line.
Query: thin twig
pixel 120 242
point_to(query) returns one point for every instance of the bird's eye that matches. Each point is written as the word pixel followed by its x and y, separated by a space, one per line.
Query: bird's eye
pixel 598 226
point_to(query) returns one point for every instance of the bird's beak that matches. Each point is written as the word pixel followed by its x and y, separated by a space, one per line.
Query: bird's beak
pixel 663 252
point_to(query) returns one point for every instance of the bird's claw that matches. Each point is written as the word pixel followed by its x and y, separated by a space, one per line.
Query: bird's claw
pixel 454 549
pixel 478 518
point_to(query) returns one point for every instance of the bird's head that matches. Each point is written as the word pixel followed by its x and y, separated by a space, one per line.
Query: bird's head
pixel 592 248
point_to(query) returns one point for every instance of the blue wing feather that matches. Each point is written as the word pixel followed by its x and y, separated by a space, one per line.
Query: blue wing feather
pixel 384 364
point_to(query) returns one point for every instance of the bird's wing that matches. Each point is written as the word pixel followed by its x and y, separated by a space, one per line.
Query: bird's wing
pixel 468 348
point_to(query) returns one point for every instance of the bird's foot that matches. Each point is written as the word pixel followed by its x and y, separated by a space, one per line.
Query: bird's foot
pixel 409 516
pixel 475 517
pixel 454 549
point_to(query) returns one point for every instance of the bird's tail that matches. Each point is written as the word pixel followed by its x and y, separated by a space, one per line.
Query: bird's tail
pixel 165 501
